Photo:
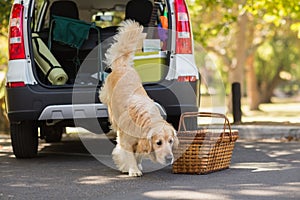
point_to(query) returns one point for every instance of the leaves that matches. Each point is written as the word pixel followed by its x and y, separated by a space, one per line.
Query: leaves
pixel 271 32
pixel 5 6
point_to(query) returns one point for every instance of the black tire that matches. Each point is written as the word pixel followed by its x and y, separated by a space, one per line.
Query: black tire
pixel 52 134
pixel 105 126
pixel 24 139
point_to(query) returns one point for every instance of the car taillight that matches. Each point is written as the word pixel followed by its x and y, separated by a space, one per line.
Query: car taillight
pixel 16 40
pixel 187 78
pixel 183 30
pixel 15 84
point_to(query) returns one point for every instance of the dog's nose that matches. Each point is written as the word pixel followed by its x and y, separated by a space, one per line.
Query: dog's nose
pixel 169 159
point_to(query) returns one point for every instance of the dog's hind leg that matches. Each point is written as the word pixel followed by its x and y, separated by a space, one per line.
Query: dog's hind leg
pixel 126 161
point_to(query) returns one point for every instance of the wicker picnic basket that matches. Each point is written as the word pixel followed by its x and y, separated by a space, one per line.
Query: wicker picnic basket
pixel 203 150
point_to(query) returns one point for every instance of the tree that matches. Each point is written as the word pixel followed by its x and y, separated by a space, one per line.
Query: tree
pixel 271 23
pixel 235 30
pixel 278 55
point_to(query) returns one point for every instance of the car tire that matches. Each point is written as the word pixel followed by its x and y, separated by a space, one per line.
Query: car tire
pixel 24 139
pixel 105 126
pixel 52 134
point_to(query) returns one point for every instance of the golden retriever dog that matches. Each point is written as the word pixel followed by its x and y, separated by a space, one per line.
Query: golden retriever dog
pixel 141 130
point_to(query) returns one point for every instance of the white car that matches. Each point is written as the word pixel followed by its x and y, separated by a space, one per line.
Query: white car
pixel 55 68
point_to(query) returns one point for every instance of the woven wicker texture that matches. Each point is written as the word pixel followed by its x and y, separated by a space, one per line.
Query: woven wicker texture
pixel 206 150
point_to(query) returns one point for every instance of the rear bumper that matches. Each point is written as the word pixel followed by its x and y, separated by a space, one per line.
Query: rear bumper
pixel 38 103
pixel 80 111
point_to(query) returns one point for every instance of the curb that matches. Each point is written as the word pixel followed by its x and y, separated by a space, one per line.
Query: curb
pixel 266 131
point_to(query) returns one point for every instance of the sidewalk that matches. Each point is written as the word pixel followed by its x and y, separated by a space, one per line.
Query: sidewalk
pixel 255 132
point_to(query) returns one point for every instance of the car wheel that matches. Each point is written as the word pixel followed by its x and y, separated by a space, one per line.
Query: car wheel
pixel 111 135
pixel 105 126
pixel 52 134
pixel 24 139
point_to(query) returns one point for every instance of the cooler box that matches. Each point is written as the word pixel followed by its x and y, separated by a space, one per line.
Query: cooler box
pixel 151 66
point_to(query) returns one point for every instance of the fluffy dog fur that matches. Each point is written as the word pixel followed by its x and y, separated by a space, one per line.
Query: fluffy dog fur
pixel 141 131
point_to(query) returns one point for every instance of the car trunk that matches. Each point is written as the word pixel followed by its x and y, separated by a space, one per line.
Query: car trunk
pixel 70 49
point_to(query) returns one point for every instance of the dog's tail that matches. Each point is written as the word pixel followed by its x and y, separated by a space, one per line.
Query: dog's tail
pixel 121 53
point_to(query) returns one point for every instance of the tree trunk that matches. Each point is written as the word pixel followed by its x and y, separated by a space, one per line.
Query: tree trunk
pixel 237 68
pixel 268 89
pixel 252 88
pixel 236 73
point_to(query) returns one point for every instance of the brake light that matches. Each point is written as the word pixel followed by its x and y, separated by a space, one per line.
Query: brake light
pixel 183 30
pixel 16 40
pixel 187 78
pixel 15 84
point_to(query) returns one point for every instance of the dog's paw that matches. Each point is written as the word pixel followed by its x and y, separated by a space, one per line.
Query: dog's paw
pixel 134 173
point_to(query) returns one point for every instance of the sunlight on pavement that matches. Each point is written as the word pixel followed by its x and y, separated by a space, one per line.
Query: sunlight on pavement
pixel 259 192
pixel 182 194
pixel 261 166
pixel 5 147
pixel 271 191
pixel 274 154
pixel 95 180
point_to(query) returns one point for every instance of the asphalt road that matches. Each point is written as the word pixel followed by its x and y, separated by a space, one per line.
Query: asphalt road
pixel 66 170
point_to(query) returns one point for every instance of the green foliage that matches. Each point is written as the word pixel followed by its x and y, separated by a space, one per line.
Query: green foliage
pixel 278 54
pixel 5 6
pixel 271 32
pixel 212 18
pixel 209 24
pixel 3 50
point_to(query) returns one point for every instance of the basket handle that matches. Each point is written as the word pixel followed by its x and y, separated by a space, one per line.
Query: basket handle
pixel 205 114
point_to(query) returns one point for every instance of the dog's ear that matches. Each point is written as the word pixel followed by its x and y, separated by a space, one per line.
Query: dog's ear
pixel 144 146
